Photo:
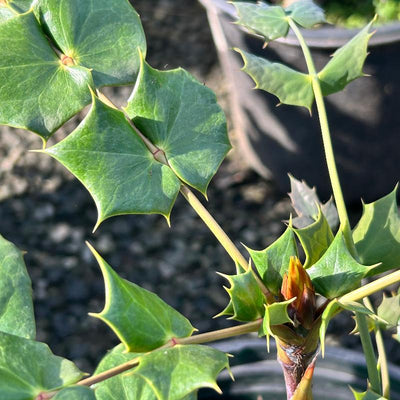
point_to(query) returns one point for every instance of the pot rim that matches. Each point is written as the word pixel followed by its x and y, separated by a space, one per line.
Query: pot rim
pixel 328 36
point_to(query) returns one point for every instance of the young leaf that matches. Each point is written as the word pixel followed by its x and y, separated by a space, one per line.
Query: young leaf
pixel 268 21
pixel 389 310
pixel 377 234
pixel 272 262
pixel 100 35
pixel 315 239
pixel 16 308
pixel 38 92
pixel 28 368
pixel 368 395
pixel 337 272
pixel 307 204
pixel 305 13
pixel 169 374
pixel 75 393
pixel 140 319
pixel 181 116
pixel 121 174
pixel 290 86
pixel 247 299
pixel 346 64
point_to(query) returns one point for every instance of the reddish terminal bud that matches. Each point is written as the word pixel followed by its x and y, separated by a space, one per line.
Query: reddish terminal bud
pixel 68 61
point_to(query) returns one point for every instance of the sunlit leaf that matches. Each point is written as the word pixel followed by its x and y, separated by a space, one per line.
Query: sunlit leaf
pixel 181 117
pixel 305 13
pixel 368 395
pixel 75 393
pixel 16 308
pixel 389 310
pixel 140 319
pixel 330 311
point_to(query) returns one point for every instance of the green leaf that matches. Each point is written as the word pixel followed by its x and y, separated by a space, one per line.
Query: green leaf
pixel 389 310
pixel 13 8
pixel 6 12
pixel 247 299
pixel 37 91
pixel 330 311
pixel 170 374
pixel 346 64
pixel 305 13
pixel 272 262
pixel 16 308
pixel 307 204
pixel 290 86
pixel 377 234
pixel 140 319
pixel 98 34
pixel 75 393
pixel 337 272
pixel 268 21
pixel 28 368
pixel 109 158
pixel 315 239
pixel 355 307
pixel 368 395
pixel 181 117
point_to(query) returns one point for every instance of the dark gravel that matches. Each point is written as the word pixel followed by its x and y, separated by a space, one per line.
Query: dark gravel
pixel 48 213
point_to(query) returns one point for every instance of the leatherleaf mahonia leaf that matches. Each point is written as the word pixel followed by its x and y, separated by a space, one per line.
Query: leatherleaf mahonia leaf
pixel 272 262
pixel 37 91
pixel 16 308
pixel 121 174
pixel 389 310
pixel 337 272
pixel 305 13
pixel 28 368
pixel 368 395
pixel 315 239
pixel 101 35
pixel 169 374
pixel 181 117
pixel 246 298
pixel 140 319
pixel 377 234
pixel 290 86
pixel 346 64
pixel 75 393
pixel 307 205
pixel 11 8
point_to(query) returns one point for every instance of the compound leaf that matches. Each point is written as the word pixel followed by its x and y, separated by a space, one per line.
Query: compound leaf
pixel 37 91
pixel 247 299
pixel 98 34
pixel 169 374
pixel 121 174
pixel 290 86
pixel 75 393
pixel 315 239
pixel 28 368
pixel 337 272
pixel 377 234
pixel 140 319
pixel 268 21
pixel 272 262
pixel 306 13
pixel 389 310
pixel 346 64
pixel 16 308
pixel 181 116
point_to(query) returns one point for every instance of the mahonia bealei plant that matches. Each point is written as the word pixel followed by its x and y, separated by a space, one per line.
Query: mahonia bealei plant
pixel 55 57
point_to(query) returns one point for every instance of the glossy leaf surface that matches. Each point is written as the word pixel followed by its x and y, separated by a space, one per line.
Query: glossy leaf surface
pixel 13 8
pixel 98 34
pixel 28 368
pixel 75 393
pixel 272 262
pixel 109 158
pixel 181 116
pixel 377 234
pixel 306 203
pixel 290 86
pixel 169 374
pixel 346 64
pixel 305 13
pixel 140 319
pixel 315 239
pixel 246 299
pixel 337 272
pixel 16 308
pixel 368 395
pixel 389 310
pixel 37 92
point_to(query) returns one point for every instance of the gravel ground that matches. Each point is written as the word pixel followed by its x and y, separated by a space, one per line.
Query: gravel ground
pixel 46 212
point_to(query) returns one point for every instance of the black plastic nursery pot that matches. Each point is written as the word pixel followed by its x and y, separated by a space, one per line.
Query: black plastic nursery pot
pixel 364 118
pixel 258 376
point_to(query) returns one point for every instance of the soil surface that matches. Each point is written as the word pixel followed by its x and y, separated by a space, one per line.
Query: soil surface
pixel 48 213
